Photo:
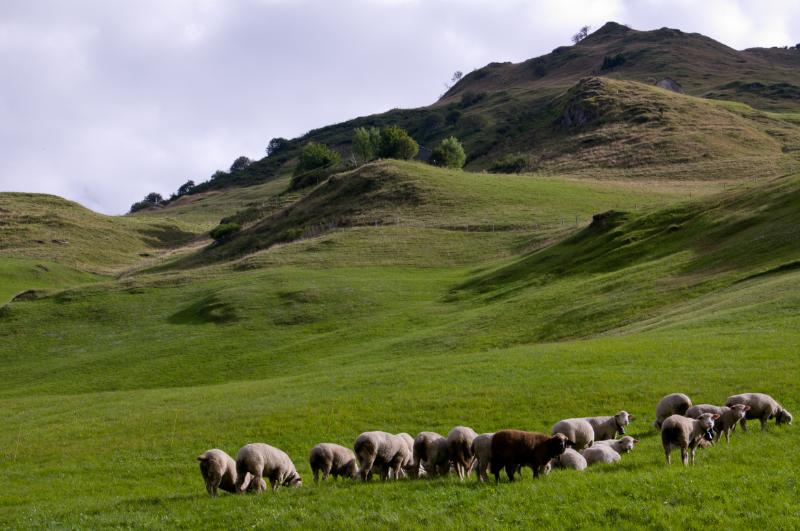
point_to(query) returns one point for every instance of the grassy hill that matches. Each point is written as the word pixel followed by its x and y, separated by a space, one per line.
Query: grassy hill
pixel 479 307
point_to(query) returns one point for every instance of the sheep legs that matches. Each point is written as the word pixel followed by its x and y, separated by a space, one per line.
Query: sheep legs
pixel 668 451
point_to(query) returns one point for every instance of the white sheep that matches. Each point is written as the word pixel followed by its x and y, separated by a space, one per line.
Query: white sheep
pixel 728 417
pixel 382 449
pixel 263 460
pixel 621 446
pixel 219 472
pixel 600 454
pixel 611 426
pixel 577 430
pixel 762 407
pixel 674 404
pixel 333 459
pixel 686 433
pixel 482 450
pixel 570 459
pixel 431 451
pixel 459 445
pixel 407 467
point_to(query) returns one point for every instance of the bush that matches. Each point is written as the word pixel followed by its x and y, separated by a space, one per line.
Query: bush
pixel 366 143
pixel 150 200
pixel 449 153
pixel 186 187
pixel 315 156
pixel 511 164
pixel 432 122
pixel 276 145
pixel 470 98
pixel 610 62
pixel 395 143
pixel 224 231
pixel 452 117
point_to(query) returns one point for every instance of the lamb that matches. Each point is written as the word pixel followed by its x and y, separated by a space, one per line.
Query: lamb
pixel 577 430
pixel 621 446
pixel 332 459
pixel 686 433
pixel 431 451
pixel 459 445
pixel 263 460
pixel 600 453
pixel 482 450
pixel 762 407
pixel 674 404
pixel 378 448
pixel 569 459
pixel 219 472
pixel 608 427
pixel 728 417
pixel 512 448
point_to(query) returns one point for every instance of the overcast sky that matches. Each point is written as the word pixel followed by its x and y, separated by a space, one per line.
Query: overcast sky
pixel 102 101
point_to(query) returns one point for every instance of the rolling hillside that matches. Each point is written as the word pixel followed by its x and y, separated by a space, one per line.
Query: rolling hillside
pixel 654 250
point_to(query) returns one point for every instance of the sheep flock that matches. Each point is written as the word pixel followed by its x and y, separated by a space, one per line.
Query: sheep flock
pixel 574 444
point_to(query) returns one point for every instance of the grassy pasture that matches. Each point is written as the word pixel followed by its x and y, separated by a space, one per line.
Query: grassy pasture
pixel 112 388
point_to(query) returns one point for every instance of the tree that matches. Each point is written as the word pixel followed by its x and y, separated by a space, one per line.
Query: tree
pixel 582 34
pixel 396 143
pixel 240 163
pixel 366 143
pixel 449 153
pixel 219 174
pixel 150 200
pixel 315 156
pixel 457 75
pixel 186 187
pixel 276 145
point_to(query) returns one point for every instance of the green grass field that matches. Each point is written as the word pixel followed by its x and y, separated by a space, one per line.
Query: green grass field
pixel 469 310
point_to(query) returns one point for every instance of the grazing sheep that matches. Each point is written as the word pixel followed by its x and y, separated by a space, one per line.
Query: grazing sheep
pixel 219 472
pixel 408 465
pixel 621 446
pixel 609 427
pixel 378 448
pixel 728 417
pixel 263 460
pixel 674 404
pixel 513 448
pixel 601 453
pixel 332 459
pixel 431 451
pixel 762 407
pixel 569 459
pixel 459 444
pixel 577 430
pixel 482 450
pixel 686 433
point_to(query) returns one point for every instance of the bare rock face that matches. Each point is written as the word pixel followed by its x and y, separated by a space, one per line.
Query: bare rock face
pixel 670 84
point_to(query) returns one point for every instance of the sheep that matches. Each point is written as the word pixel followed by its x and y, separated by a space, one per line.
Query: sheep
pixel 407 466
pixel 762 407
pixel 378 448
pixel 569 459
pixel 621 446
pixel 577 430
pixel 333 459
pixel 674 404
pixel 600 453
pixel 728 417
pixel 263 460
pixel 482 450
pixel 431 451
pixel 686 433
pixel 459 445
pixel 609 427
pixel 219 472
pixel 511 448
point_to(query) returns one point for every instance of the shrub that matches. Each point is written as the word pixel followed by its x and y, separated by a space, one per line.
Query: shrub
pixel 395 143
pixel 150 200
pixel 449 153
pixel 610 62
pixel 432 122
pixel 316 162
pixel 186 187
pixel 470 98
pixel 452 117
pixel 511 164
pixel 366 143
pixel 224 231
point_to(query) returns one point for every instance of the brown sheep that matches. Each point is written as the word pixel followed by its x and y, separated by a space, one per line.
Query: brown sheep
pixel 513 448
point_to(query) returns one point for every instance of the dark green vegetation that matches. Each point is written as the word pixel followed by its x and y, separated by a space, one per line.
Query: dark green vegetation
pixel 658 253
